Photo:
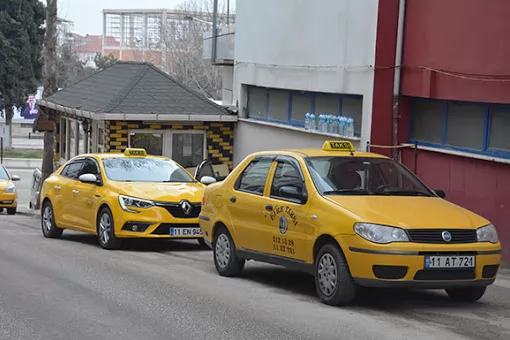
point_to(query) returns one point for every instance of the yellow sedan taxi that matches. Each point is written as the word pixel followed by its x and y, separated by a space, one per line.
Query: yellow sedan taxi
pixel 8 194
pixel 349 218
pixel 119 196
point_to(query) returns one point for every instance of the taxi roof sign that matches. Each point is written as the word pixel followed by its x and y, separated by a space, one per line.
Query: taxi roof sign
pixel 339 145
pixel 132 152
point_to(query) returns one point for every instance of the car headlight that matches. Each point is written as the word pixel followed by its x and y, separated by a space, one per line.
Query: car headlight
pixel 11 189
pixel 130 202
pixel 380 234
pixel 487 234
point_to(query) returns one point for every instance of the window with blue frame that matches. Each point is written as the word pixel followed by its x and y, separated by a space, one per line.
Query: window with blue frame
pixel 290 107
pixel 471 127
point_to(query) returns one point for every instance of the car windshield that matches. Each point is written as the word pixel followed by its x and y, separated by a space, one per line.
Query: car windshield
pixel 3 173
pixel 364 176
pixel 145 170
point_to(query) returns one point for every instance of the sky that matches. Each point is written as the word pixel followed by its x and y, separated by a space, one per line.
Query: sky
pixel 87 14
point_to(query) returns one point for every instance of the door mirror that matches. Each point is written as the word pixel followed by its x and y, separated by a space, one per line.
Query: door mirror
pixel 88 178
pixel 207 180
pixel 292 192
pixel 15 178
pixel 440 193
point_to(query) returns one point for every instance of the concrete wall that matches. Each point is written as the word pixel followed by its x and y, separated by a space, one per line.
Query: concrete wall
pixel 321 45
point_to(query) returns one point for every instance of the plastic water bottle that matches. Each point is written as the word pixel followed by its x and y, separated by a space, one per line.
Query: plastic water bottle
pixel 341 127
pixel 336 130
pixel 312 122
pixel 307 121
pixel 321 122
pixel 350 127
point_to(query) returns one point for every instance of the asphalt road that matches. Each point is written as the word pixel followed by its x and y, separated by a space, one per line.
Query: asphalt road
pixel 72 289
pixel 23 186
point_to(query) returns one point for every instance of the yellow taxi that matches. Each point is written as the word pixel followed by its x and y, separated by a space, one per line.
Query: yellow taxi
pixel 120 196
pixel 8 194
pixel 349 218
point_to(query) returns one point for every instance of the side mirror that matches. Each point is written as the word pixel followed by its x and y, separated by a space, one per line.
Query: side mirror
pixel 15 178
pixel 292 193
pixel 88 178
pixel 207 180
pixel 440 193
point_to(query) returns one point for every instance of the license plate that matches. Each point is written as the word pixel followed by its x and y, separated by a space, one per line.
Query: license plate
pixel 450 262
pixel 6 202
pixel 185 232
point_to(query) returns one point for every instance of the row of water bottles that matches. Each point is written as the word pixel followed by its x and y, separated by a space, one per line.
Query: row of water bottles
pixel 330 123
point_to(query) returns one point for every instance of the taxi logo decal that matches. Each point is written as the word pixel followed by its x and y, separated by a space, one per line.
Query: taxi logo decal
pixel 186 207
pixel 284 225
pixel 447 237
pixel 284 209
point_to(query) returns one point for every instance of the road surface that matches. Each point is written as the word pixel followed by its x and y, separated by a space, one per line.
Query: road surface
pixel 72 289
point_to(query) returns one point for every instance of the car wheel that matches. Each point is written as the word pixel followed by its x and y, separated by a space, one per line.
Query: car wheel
pixel 333 279
pixel 224 253
pixel 11 211
pixel 48 226
pixel 470 294
pixel 106 231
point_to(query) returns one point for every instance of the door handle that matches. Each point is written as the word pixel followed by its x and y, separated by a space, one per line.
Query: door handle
pixel 75 192
pixel 233 199
pixel 269 207
pixel 57 187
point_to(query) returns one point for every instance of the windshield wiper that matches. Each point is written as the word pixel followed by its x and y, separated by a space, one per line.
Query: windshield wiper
pixel 403 192
pixel 346 192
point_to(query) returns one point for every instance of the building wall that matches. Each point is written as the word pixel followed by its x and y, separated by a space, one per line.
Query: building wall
pixel 317 46
pixel 444 37
pixel 220 137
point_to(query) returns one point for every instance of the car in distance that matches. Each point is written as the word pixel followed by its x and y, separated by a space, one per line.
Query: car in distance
pixel 8 194
pixel 349 218
pixel 118 196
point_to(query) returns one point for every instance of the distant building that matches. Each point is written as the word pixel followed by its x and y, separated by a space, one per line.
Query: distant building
pixel 88 46
pixel 65 29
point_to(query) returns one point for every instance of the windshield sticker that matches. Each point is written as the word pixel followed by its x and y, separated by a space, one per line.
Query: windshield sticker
pixel 284 209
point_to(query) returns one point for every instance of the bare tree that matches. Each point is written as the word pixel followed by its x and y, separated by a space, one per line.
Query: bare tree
pixel 50 84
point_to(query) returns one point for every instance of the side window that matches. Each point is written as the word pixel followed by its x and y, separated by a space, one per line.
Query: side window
pixel 72 170
pixel 253 178
pixel 89 167
pixel 286 175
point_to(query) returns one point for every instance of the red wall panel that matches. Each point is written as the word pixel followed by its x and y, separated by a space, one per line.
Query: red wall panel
pixel 465 36
pixel 480 186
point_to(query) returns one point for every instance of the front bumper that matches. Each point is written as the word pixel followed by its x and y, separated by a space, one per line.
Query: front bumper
pixel 156 223
pixel 8 200
pixel 402 265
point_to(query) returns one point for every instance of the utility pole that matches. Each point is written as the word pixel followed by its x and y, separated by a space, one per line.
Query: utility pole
pixel 50 85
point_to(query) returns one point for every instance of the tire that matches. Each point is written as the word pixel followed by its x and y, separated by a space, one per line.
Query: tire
pixel 48 226
pixel 106 230
pixel 12 211
pixel 224 254
pixel 470 294
pixel 333 291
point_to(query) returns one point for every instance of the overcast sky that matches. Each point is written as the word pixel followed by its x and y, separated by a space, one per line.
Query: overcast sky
pixel 87 14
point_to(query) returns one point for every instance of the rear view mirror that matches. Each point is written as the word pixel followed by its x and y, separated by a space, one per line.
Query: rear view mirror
pixel 440 193
pixel 88 178
pixel 15 178
pixel 207 180
pixel 292 192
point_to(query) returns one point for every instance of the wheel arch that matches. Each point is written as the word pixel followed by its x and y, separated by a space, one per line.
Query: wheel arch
pixel 217 225
pixel 323 240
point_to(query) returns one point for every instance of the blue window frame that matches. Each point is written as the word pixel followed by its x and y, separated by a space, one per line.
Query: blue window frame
pixel 477 128
pixel 264 103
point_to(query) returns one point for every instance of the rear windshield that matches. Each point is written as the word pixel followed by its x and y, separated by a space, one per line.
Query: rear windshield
pixel 145 170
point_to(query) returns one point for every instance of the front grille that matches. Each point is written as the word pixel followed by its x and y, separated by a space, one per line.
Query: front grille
pixel 435 235
pixel 164 228
pixel 176 210
pixel 445 274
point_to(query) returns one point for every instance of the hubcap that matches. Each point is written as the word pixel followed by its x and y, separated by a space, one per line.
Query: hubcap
pixel 105 228
pixel 222 250
pixel 47 218
pixel 327 274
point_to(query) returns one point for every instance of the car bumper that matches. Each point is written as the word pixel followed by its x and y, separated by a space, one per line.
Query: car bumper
pixel 8 200
pixel 403 265
pixel 156 223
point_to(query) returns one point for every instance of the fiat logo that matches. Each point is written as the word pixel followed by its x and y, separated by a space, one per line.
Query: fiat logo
pixel 447 237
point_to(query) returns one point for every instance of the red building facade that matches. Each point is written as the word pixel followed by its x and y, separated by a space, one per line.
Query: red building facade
pixel 454 99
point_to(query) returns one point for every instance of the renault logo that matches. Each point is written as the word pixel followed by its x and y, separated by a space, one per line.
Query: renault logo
pixel 186 207
pixel 447 237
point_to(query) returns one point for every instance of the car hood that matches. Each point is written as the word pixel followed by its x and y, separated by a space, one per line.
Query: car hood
pixel 410 212
pixel 162 192
pixel 4 183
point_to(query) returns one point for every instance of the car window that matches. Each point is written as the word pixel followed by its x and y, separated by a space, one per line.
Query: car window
pixel 3 173
pixel 89 167
pixel 286 174
pixel 72 170
pixel 253 178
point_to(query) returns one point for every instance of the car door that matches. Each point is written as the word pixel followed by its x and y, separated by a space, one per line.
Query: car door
pixel 247 204
pixel 86 197
pixel 63 197
pixel 285 229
